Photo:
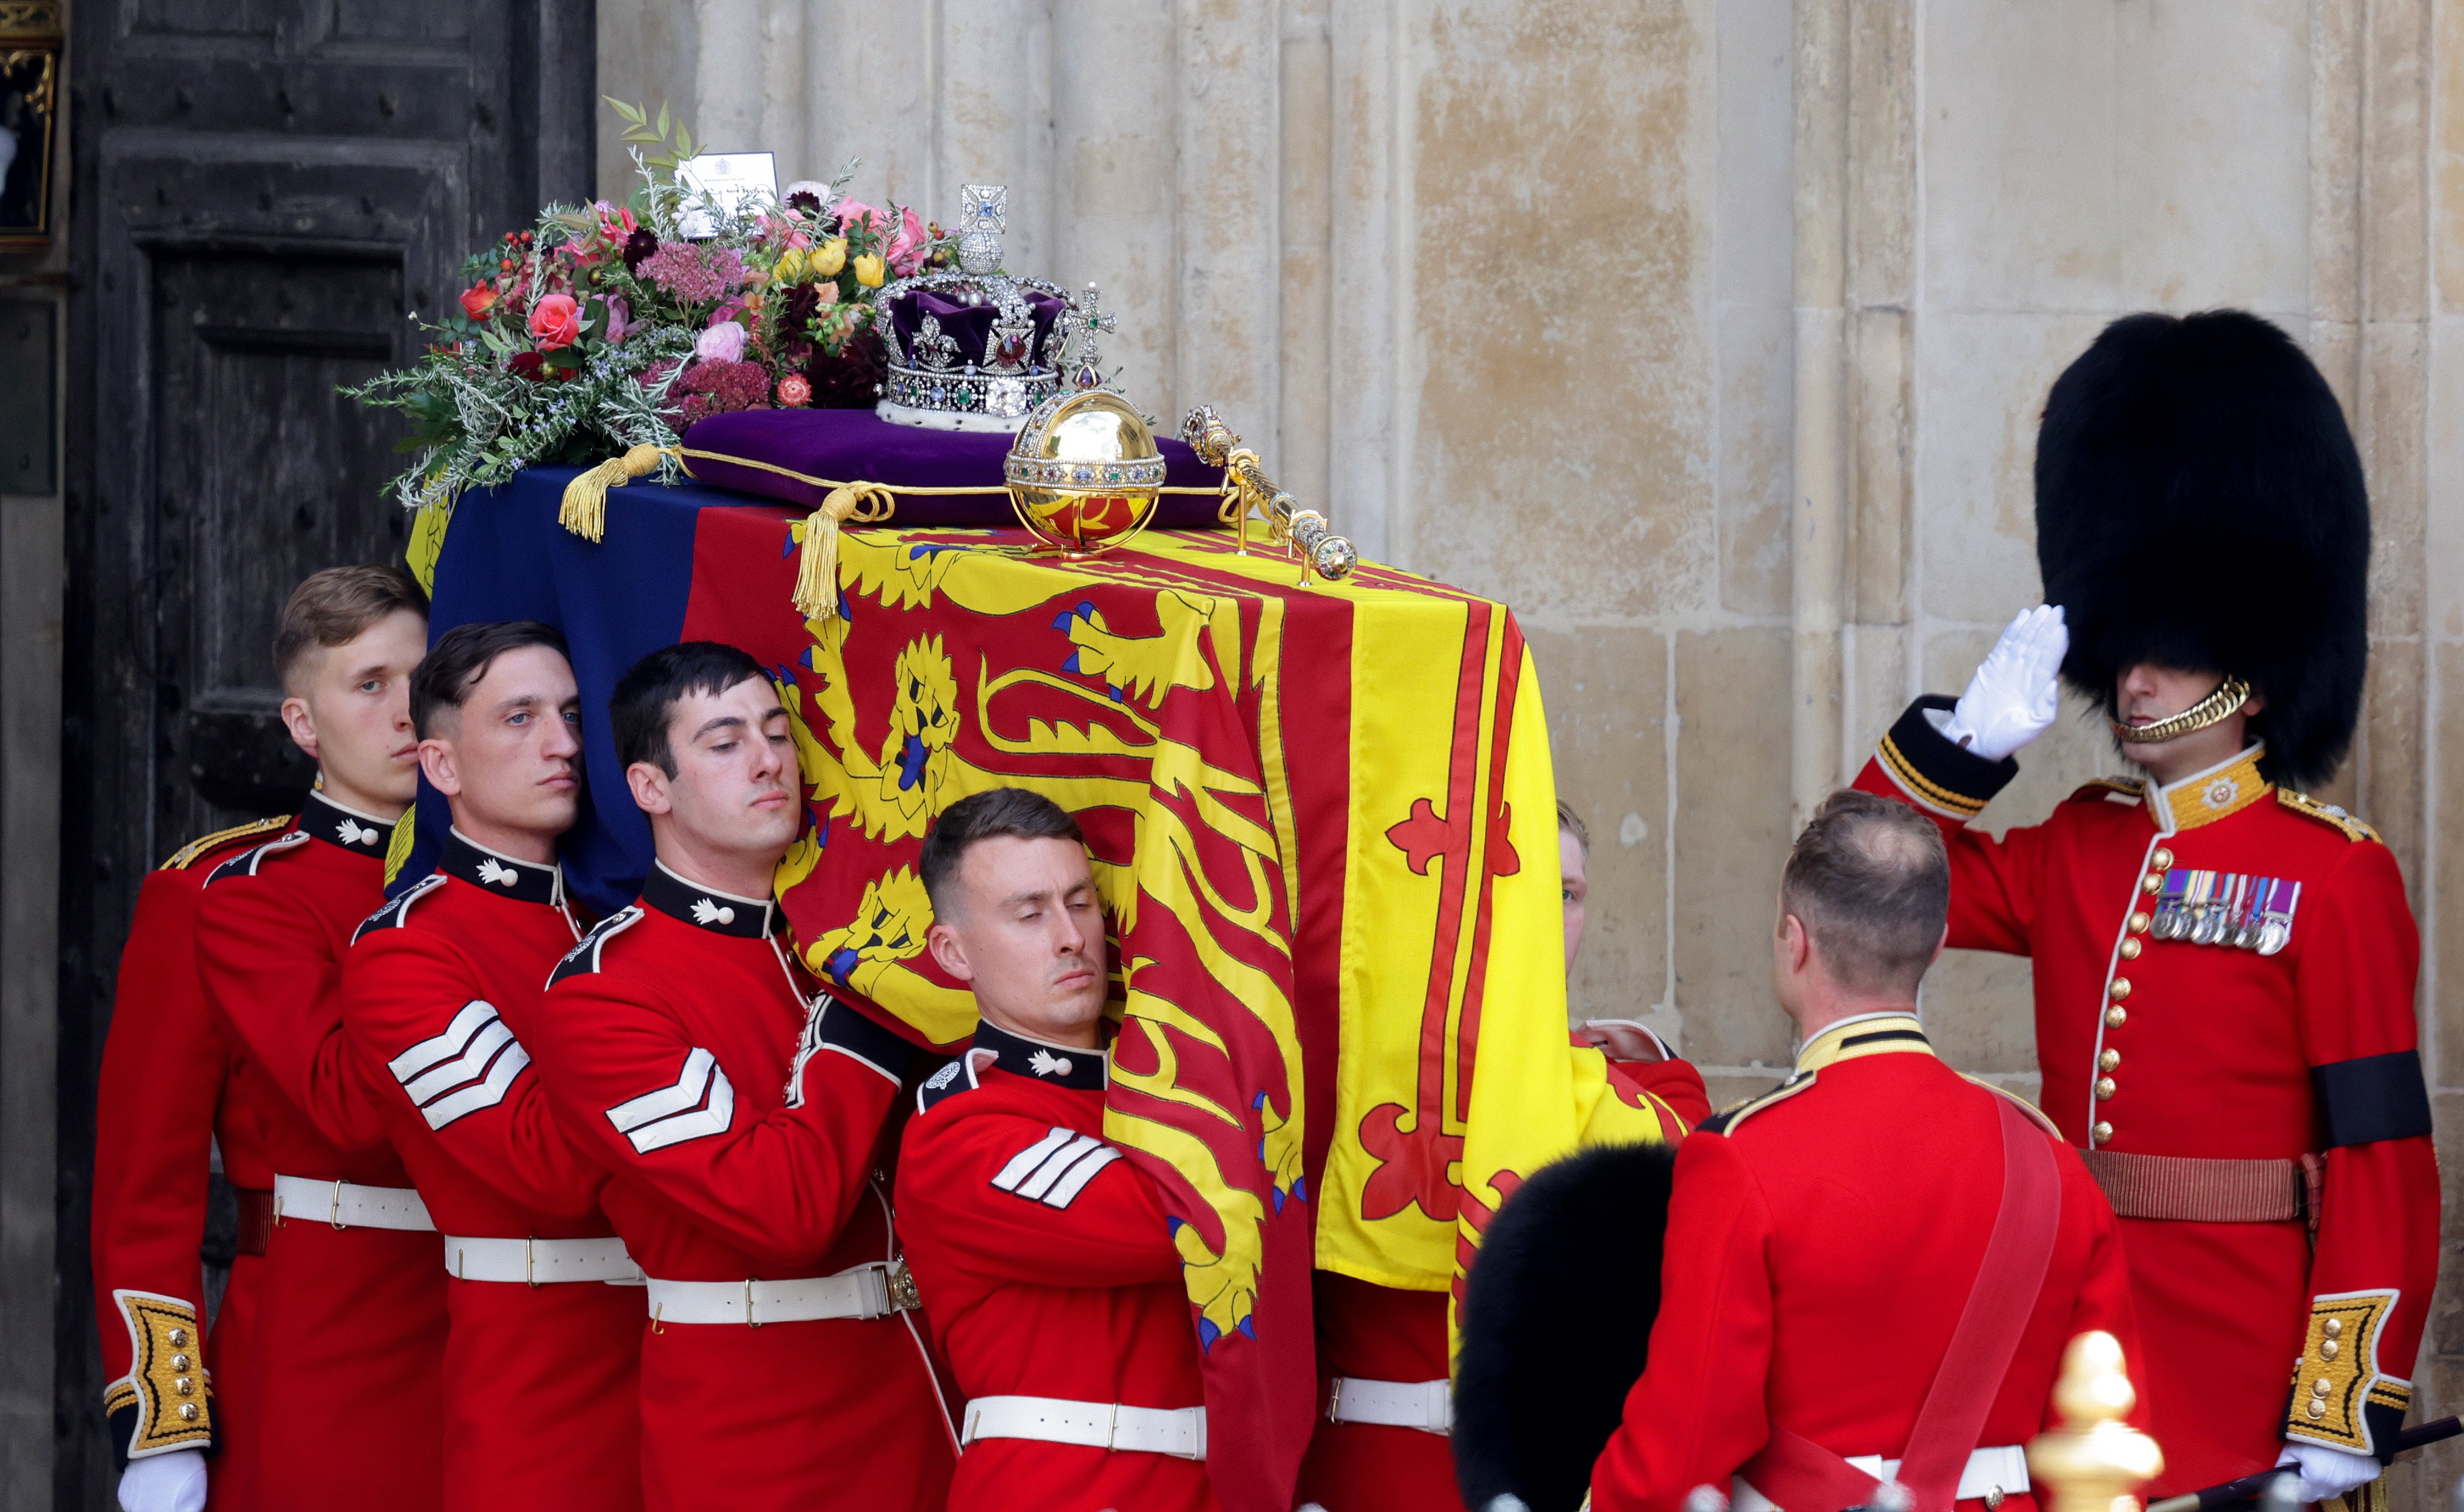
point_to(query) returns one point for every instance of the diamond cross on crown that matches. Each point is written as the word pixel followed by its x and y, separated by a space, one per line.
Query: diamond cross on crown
pixel 986 208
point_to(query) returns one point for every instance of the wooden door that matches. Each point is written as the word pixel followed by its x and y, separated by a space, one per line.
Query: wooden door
pixel 264 191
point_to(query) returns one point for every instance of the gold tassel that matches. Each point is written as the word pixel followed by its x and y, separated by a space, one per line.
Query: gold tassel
pixel 817 569
pixel 585 499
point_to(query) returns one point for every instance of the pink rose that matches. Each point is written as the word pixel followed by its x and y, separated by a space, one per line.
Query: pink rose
pixel 556 321
pixel 908 247
pixel 853 213
pixel 723 342
pixel 620 320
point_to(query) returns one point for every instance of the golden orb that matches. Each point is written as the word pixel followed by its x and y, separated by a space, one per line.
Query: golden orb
pixel 1084 471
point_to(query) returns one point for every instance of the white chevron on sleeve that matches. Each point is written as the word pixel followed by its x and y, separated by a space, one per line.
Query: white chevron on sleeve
pixel 701 1102
pixel 467 1068
pixel 1025 1162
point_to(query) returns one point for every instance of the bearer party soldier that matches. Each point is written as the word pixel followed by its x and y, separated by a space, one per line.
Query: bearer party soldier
pixel 542 1360
pixel 351 1321
pixel 1384 1440
pixel 171 1095
pixel 2224 967
pixel 740 1116
pixel 1045 1259
pixel 1870 1273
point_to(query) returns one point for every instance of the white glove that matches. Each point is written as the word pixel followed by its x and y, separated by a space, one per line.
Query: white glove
pixel 2016 690
pixel 172 1482
pixel 2328 1472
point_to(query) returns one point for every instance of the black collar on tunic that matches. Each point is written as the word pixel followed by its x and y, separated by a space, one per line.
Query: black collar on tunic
pixel 1057 1065
pixel 322 818
pixel 499 875
pixel 707 907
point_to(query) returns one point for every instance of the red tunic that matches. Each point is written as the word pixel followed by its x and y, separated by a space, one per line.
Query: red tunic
pixel 170 1094
pixel 543 1382
pixel 670 1043
pixel 1069 1287
pixel 352 1321
pixel 1822 1244
pixel 1383 1333
pixel 2163 1046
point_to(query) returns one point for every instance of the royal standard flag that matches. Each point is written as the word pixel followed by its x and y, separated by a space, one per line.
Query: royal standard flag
pixel 1322 818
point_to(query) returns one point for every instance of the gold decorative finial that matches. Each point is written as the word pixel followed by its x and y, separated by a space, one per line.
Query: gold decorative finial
pixel 2094 1461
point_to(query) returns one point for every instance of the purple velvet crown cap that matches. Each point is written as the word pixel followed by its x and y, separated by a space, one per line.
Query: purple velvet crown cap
pixel 970 325
pixel 796 455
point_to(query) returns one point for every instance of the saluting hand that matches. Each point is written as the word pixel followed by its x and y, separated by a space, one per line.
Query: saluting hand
pixel 2016 692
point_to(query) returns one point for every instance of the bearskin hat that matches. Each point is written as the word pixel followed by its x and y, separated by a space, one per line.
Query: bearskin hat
pixel 2200 505
pixel 1555 1320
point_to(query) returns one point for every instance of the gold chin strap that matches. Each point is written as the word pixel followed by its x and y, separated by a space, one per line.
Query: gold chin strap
pixel 2216 707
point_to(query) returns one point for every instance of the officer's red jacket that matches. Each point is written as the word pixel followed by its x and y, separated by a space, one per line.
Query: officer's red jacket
pixel 2285 1033
pixel 1822 1242
pixel 350 1330
pixel 739 1118
pixel 541 1383
pixel 170 1094
pixel 1383 1333
pixel 1060 1282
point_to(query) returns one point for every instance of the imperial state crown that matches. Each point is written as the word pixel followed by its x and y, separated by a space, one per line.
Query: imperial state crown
pixel 979 348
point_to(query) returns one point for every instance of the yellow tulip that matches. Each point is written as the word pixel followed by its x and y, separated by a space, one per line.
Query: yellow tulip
pixel 791 267
pixel 868 269
pixel 826 259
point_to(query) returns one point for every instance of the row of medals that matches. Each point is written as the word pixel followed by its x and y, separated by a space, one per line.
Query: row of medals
pixel 2237 920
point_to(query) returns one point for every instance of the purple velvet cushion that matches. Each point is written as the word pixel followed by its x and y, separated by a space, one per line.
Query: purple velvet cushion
pixel 796 455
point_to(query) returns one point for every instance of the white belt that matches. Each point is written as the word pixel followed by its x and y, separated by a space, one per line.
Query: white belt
pixel 1179 1432
pixel 868 1290
pixel 299 1199
pixel 541 1262
pixel 1992 1474
pixel 1428 1406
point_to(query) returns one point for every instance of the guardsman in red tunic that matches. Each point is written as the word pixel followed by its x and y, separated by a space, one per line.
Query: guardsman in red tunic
pixel 350 1333
pixel 1872 1273
pixel 1383 1443
pixel 171 1096
pixel 542 1362
pixel 2224 969
pixel 1044 1258
pixel 741 1119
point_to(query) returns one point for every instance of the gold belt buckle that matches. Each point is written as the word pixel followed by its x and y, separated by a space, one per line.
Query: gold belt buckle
pixel 904 1297
pixel 334 1213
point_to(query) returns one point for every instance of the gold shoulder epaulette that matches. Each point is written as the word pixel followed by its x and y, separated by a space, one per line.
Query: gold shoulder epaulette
pixel 196 850
pixel 2103 788
pixel 2025 1106
pixel 1726 1120
pixel 2327 814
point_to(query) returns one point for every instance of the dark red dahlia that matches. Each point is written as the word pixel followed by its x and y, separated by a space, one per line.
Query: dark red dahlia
pixel 637 248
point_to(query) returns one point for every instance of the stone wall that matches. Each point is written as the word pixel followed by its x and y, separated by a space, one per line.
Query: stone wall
pixel 1710 335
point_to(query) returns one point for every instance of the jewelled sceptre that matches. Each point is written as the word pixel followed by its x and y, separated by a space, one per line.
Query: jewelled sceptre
pixel 1248 489
pixel 2095 1462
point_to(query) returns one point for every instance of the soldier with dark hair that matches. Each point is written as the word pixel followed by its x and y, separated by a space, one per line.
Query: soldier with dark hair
pixel 1046 1261
pixel 741 1116
pixel 2224 967
pixel 541 1352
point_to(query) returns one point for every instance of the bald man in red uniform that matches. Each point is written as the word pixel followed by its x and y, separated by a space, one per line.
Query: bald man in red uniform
pixel 1871 1273
pixel 352 1314
pixel 741 1119
pixel 544 1355
pixel 1044 1258
pixel 171 1095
